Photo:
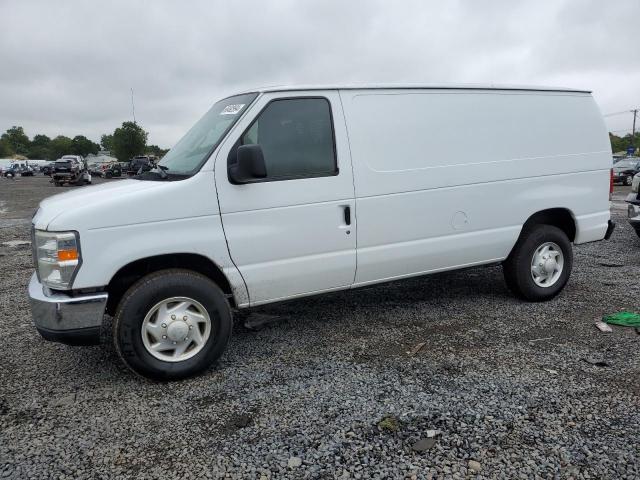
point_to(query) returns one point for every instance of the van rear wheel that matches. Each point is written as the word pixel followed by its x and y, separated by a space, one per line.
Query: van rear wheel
pixel 540 264
pixel 172 324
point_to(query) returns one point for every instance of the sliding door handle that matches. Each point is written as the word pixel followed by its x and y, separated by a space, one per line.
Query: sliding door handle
pixel 347 215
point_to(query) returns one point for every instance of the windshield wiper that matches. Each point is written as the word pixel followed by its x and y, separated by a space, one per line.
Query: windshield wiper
pixel 162 171
pixel 159 170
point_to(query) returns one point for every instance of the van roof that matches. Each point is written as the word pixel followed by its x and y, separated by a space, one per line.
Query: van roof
pixel 409 86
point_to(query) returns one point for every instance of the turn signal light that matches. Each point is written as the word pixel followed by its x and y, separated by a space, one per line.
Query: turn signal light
pixel 64 255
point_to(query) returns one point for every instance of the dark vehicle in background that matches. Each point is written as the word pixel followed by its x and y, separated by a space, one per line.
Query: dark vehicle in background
pixel 16 169
pixel 633 199
pixel 106 170
pixel 624 170
pixel 143 162
pixel 70 169
pixel 111 170
pixel 10 171
pixel 48 169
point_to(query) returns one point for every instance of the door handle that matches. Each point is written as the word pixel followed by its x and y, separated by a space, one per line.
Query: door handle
pixel 347 214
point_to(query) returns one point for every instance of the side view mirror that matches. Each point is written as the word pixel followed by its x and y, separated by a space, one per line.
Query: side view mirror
pixel 249 164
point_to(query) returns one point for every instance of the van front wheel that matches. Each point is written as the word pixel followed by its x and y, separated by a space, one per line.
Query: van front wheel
pixel 172 324
pixel 540 263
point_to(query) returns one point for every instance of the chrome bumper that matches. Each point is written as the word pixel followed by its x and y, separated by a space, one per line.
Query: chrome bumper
pixel 61 318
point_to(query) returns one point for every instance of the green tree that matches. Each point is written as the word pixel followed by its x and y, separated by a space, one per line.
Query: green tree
pixel 40 148
pixel 60 146
pixel 156 150
pixel 81 145
pixel 16 140
pixel 620 144
pixel 106 141
pixel 128 141
pixel 40 141
pixel 5 149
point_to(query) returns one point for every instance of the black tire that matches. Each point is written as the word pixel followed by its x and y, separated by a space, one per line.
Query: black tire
pixel 108 175
pixel 149 291
pixel 517 266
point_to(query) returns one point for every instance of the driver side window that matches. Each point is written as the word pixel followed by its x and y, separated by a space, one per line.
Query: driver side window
pixel 297 139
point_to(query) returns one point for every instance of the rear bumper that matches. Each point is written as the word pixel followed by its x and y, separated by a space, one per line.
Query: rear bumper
pixel 62 318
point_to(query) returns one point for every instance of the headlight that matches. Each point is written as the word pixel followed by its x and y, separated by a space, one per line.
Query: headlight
pixel 57 258
pixel 635 186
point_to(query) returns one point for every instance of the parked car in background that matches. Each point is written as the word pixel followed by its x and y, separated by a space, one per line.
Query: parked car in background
pixel 106 170
pixel 94 168
pixel 633 199
pixel 10 171
pixel 624 170
pixel 279 221
pixel 141 162
pixel 70 169
pixel 47 169
pixel 18 168
pixel 111 170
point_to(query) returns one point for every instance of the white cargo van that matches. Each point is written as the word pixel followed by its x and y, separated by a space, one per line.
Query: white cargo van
pixel 280 193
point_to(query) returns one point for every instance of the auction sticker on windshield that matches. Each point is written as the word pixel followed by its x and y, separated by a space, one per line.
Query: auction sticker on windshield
pixel 232 109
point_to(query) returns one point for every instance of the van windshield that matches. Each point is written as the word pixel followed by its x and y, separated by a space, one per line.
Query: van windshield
pixel 190 153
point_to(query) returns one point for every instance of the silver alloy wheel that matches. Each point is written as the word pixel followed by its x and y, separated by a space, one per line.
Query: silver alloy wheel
pixel 547 264
pixel 176 329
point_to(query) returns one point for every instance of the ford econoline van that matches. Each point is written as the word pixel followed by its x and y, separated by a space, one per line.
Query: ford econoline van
pixel 280 193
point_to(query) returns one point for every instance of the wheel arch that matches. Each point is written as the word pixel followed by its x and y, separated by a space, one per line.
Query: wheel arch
pixel 561 218
pixel 133 271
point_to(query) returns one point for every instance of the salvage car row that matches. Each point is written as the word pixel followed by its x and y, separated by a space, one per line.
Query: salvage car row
pixel 25 168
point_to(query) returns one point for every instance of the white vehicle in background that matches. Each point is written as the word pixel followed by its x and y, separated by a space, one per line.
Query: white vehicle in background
pixel 281 193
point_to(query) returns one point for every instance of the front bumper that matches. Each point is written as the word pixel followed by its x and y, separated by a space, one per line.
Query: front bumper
pixel 59 317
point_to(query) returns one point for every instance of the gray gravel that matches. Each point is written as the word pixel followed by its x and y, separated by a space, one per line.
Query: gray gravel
pixel 327 389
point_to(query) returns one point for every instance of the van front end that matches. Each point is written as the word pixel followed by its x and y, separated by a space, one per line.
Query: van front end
pixel 58 313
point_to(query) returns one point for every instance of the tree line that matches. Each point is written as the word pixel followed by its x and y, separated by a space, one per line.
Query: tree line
pixel 130 139
pixel 126 141
pixel 620 144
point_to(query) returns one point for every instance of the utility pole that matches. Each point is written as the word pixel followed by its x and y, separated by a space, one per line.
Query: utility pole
pixel 633 132
pixel 133 110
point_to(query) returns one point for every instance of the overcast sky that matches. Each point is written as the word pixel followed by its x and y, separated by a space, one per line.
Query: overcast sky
pixel 67 67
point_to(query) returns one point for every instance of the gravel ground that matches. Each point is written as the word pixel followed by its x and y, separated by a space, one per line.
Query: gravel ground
pixel 327 389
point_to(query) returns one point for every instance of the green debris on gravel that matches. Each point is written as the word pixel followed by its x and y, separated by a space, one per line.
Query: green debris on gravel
pixel 625 319
pixel 389 423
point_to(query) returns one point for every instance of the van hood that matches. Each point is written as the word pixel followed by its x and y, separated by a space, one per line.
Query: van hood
pixel 89 198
